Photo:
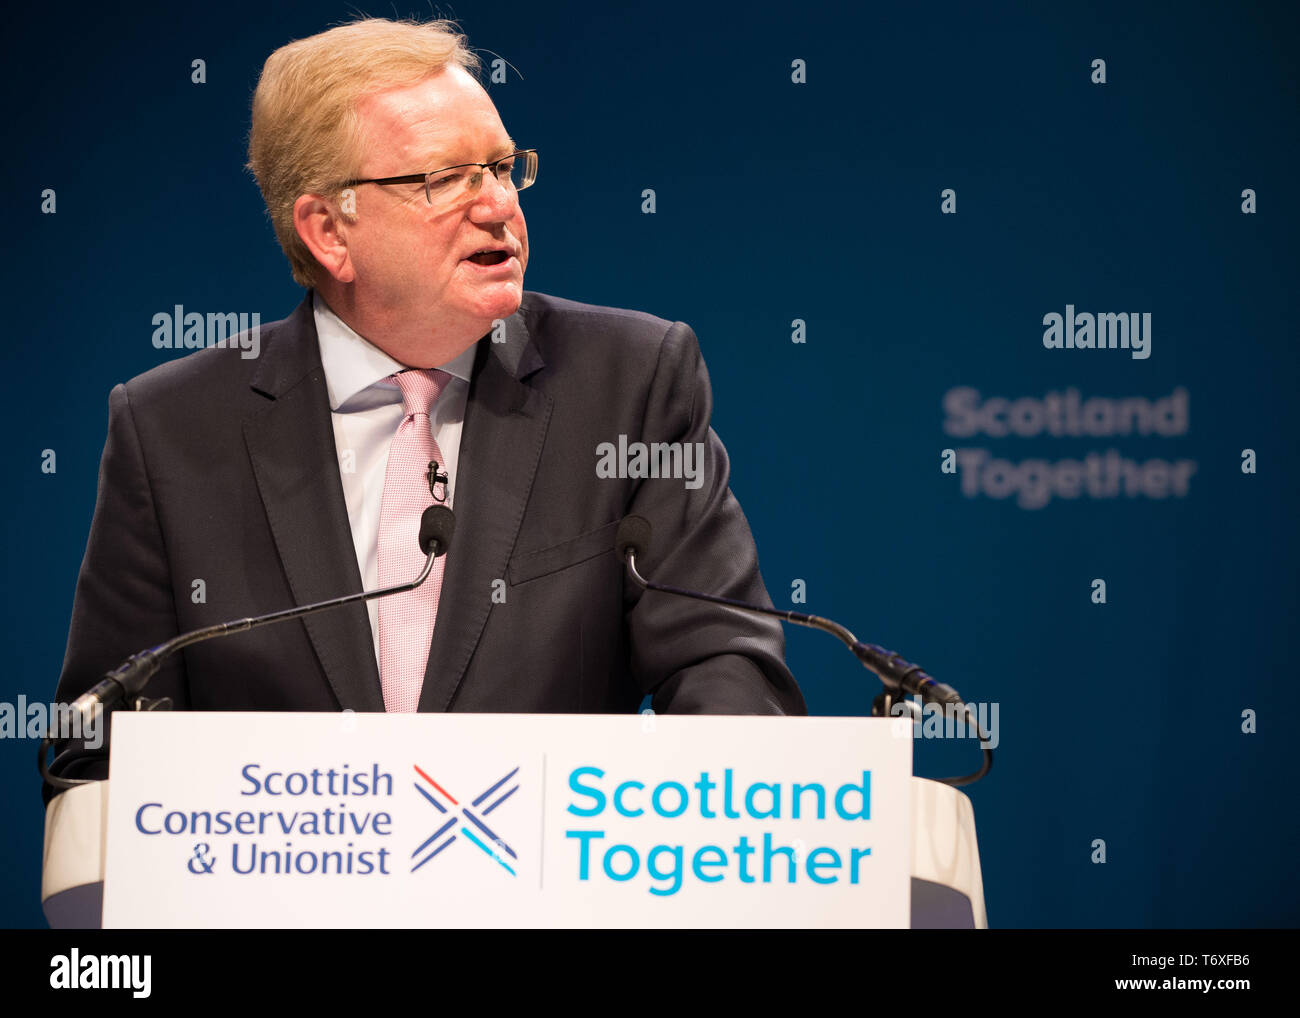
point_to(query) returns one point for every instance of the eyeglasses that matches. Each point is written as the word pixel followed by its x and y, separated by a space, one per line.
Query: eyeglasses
pixel 449 187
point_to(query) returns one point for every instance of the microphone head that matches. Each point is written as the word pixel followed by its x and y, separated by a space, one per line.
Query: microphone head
pixel 633 535
pixel 436 525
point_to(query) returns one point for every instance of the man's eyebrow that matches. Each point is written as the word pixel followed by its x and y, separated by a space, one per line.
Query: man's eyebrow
pixel 496 152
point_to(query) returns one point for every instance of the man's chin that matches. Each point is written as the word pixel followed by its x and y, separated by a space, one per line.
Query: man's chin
pixel 500 301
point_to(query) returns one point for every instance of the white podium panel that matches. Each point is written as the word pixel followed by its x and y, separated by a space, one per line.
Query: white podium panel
pixel 285 820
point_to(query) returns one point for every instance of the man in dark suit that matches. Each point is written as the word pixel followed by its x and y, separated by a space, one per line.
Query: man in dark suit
pixel 223 487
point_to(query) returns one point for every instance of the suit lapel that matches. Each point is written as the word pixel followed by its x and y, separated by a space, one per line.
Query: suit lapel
pixel 501 445
pixel 290 441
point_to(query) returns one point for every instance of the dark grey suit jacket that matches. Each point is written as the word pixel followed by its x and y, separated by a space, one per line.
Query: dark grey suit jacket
pixel 224 469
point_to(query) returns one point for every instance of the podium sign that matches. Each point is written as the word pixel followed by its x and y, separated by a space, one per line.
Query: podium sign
pixel 411 820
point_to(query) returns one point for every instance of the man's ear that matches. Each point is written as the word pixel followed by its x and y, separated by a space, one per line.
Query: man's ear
pixel 323 229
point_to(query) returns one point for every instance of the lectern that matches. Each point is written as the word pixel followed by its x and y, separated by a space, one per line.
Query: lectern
pixel 233 820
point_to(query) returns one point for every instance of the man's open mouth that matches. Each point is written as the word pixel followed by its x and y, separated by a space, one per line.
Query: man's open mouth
pixel 488 257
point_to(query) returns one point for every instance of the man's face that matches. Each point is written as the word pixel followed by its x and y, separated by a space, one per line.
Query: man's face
pixel 413 260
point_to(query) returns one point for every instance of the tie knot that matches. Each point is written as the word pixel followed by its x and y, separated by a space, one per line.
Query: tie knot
pixel 420 388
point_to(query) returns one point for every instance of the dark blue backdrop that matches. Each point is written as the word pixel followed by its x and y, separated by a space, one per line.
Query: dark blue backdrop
pixel 818 201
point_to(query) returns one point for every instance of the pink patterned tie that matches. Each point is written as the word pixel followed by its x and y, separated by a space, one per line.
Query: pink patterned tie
pixel 406 620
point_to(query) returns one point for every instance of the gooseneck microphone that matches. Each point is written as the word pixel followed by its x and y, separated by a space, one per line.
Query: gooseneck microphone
pixel 126 682
pixel 437 526
pixel 900 677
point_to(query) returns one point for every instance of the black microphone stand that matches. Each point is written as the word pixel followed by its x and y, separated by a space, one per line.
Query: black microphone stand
pixel 898 676
pixel 125 684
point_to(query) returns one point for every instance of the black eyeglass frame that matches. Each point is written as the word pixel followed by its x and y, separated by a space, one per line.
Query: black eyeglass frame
pixel 529 154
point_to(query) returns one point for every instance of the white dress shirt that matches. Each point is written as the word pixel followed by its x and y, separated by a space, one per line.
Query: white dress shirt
pixel 366 410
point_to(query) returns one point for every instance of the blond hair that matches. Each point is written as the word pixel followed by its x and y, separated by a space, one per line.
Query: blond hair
pixel 305 137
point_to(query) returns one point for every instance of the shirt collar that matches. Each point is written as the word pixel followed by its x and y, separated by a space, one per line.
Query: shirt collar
pixel 356 369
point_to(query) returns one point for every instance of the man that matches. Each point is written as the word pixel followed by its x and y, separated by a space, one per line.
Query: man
pixel 418 369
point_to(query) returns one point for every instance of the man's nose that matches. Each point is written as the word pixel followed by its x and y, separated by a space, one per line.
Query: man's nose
pixel 494 201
